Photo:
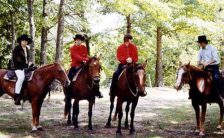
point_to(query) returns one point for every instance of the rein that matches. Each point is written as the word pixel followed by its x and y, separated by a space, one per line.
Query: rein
pixel 134 94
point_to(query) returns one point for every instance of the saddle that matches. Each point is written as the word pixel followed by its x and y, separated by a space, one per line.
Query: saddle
pixel 11 75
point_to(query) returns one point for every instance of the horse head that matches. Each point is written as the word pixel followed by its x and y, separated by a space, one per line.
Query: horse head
pixel 183 76
pixel 93 67
pixel 59 74
pixel 137 72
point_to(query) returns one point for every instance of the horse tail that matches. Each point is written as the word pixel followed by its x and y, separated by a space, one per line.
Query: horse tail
pixel 68 103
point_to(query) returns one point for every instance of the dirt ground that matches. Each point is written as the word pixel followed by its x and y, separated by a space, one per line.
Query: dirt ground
pixel 164 112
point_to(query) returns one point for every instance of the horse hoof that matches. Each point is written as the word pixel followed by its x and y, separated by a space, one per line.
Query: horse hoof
pixel 201 133
pixel 126 126
pixel 90 128
pixel 40 128
pixel 132 131
pixel 219 127
pixel 69 123
pixel 197 131
pixel 108 125
pixel 118 132
pixel 34 129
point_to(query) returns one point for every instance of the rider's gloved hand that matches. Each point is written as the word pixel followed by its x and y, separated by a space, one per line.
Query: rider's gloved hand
pixel 129 60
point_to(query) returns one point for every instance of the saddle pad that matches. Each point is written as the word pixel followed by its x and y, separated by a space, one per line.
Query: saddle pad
pixel 11 76
pixel 76 75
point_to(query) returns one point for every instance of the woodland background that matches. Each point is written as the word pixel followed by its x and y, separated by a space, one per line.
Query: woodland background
pixel 165 31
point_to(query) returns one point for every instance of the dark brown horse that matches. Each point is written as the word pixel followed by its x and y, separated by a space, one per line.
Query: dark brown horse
pixel 131 85
pixel 83 89
pixel 202 91
pixel 36 89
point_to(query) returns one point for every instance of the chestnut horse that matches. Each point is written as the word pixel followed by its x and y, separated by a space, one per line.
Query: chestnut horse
pixel 36 89
pixel 83 88
pixel 202 91
pixel 131 85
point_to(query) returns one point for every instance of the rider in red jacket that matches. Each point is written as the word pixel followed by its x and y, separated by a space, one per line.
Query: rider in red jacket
pixel 79 55
pixel 126 53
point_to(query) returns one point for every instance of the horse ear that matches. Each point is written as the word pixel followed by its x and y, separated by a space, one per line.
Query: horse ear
pixel 99 56
pixel 144 64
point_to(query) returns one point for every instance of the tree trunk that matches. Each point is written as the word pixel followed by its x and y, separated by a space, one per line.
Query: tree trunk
pixel 59 42
pixel 128 24
pixel 32 29
pixel 13 29
pixel 87 43
pixel 159 63
pixel 44 33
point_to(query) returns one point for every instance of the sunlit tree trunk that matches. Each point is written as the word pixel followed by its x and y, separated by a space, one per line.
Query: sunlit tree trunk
pixel 59 42
pixel 32 29
pixel 159 62
pixel 44 33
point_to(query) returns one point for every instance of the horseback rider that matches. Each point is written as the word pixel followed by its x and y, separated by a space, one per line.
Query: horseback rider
pixel 208 60
pixel 20 57
pixel 126 53
pixel 79 56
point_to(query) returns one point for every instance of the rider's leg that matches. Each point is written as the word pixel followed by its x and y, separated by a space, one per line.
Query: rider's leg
pixel 20 79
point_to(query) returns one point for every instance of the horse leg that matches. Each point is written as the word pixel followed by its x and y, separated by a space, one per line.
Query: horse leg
pixel 120 115
pixel 112 97
pixel 197 113
pixel 75 113
pixel 39 127
pixel 221 107
pixel 90 115
pixel 115 114
pixel 203 113
pixel 35 114
pixel 67 109
pixel 126 119
pixel 134 104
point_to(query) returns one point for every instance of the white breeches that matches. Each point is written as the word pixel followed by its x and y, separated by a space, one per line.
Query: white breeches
pixel 20 78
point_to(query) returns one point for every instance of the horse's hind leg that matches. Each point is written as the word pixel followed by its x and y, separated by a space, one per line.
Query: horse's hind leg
pixel 90 115
pixel 126 119
pixel 134 104
pixel 112 97
pixel 221 107
pixel 75 113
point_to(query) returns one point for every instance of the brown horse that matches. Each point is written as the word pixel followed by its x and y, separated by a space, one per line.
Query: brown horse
pixel 36 89
pixel 83 88
pixel 202 91
pixel 131 85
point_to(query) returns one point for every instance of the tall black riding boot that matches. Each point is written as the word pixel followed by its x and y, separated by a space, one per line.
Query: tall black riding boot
pixel 17 99
pixel 113 86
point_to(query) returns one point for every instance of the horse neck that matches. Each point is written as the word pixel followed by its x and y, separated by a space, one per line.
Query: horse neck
pixel 46 75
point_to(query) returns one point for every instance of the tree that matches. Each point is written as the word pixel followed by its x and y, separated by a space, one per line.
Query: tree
pixel 32 29
pixel 59 42
pixel 44 33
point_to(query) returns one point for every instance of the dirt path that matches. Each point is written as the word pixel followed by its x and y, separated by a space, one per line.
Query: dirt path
pixel 162 113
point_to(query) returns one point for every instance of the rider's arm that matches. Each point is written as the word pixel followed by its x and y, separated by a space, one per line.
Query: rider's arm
pixel 120 55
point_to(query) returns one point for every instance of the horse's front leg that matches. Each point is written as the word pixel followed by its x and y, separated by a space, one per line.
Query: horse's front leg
pixel 120 115
pixel 221 107
pixel 112 97
pixel 203 113
pixel 126 119
pixel 75 113
pixel 36 108
pixel 197 113
pixel 90 115
pixel 133 107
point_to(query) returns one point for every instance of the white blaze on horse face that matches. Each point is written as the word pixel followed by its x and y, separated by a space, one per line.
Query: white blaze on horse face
pixel 179 77
pixel 141 76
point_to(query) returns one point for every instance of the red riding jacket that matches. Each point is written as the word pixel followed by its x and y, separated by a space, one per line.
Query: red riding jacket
pixel 78 55
pixel 124 52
